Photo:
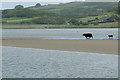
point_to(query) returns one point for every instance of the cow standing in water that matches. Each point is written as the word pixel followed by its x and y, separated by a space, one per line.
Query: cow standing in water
pixel 88 35
pixel 110 36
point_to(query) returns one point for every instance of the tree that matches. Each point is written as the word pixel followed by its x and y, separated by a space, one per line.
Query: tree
pixel 19 7
pixel 95 23
pixel 119 7
pixel 38 5
pixel 96 18
pixel 74 22
pixel 85 23
pixel 116 17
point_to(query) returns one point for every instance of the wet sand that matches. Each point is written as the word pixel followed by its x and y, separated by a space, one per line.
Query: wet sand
pixel 95 46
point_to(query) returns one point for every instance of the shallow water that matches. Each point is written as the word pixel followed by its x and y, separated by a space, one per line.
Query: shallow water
pixel 41 63
pixel 58 33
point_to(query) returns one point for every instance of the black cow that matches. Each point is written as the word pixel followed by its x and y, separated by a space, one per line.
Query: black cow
pixel 88 35
pixel 110 36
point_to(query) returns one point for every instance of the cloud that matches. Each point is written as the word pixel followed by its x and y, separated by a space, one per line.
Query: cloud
pixel 58 0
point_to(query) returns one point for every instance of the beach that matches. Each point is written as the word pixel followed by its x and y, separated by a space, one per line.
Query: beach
pixel 105 46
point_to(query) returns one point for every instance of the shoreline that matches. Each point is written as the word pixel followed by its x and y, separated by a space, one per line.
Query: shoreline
pixel 95 46
pixel 55 26
pixel 68 28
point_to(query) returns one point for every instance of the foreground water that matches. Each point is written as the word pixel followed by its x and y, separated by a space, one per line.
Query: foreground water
pixel 58 33
pixel 41 63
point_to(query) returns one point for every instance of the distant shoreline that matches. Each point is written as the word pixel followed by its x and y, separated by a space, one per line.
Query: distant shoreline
pixel 55 28
pixel 40 26
pixel 67 28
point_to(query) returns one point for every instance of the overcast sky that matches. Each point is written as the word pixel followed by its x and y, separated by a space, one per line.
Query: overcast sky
pixel 10 4
pixel 39 0
pixel 57 0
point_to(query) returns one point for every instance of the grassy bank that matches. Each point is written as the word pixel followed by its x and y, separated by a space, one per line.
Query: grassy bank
pixel 37 26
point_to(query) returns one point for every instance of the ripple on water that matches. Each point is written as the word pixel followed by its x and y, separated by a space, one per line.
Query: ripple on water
pixel 41 63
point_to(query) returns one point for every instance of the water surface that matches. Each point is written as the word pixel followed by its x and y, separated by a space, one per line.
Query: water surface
pixel 58 33
pixel 41 63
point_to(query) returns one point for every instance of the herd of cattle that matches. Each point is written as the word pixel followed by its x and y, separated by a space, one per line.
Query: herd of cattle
pixel 89 35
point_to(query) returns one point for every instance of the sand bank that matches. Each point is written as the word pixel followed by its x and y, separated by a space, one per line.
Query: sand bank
pixel 98 46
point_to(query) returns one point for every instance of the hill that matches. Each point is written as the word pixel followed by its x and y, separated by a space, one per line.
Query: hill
pixel 73 13
pixel 80 9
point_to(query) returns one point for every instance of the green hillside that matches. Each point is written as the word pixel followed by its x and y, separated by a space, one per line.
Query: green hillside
pixel 79 9
pixel 73 13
